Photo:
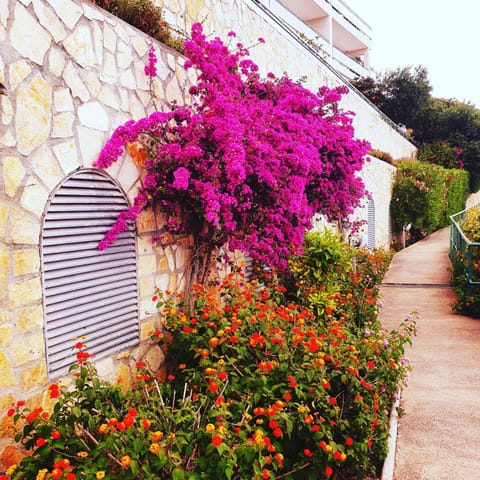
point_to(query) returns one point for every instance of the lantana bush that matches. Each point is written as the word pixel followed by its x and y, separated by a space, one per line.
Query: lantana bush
pixel 257 387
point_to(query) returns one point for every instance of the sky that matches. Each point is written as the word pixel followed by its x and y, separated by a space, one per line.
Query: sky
pixel 443 36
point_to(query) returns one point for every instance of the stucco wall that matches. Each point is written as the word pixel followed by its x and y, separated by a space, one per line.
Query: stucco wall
pixel 73 73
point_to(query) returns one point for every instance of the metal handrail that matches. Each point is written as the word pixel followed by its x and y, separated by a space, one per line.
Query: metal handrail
pixel 459 243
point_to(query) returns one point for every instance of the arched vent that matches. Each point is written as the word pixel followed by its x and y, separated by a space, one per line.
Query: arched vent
pixel 371 224
pixel 87 292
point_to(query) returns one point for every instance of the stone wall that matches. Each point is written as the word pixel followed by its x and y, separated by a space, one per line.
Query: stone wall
pixel 73 73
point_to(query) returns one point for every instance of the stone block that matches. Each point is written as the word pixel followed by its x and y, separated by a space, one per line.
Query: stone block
pixel 63 125
pixel 4 263
pixel 23 228
pixel 4 209
pixel 46 166
pixel 79 44
pixel 49 20
pixel 13 174
pixel 146 265
pixel 146 329
pixel 34 197
pixel 11 455
pixel 33 114
pixel 6 401
pixel 6 335
pixel 67 10
pixel 26 261
pixel 146 222
pixel 34 376
pixel 28 37
pixel 67 156
pixel 30 318
pixel 62 100
pixel 24 292
pixel 123 377
pixel 27 349
pixel 7 378
pixel 155 358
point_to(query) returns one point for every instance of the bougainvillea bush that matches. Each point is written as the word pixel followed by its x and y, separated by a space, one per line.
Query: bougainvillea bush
pixel 249 162
pixel 257 388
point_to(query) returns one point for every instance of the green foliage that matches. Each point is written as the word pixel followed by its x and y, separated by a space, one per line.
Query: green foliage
pixel 471 224
pixel 425 195
pixel 257 387
pixel 145 16
pixel 440 153
pixel 345 282
pixel 402 94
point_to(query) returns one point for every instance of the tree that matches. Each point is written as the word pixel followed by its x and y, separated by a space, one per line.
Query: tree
pixel 402 94
pixel 248 164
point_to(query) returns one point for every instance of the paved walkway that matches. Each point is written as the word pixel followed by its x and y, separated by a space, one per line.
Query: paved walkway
pixel 439 430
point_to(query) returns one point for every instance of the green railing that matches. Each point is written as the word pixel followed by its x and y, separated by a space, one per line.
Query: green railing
pixel 461 248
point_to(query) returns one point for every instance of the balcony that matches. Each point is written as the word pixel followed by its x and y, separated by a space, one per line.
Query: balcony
pixel 342 37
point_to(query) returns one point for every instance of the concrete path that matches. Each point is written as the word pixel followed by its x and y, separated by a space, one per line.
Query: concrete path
pixel 439 429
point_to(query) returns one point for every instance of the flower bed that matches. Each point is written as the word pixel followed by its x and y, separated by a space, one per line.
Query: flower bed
pixel 257 387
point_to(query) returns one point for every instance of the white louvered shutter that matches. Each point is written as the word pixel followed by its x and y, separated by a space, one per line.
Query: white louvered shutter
pixel 371 224
pixel 87 292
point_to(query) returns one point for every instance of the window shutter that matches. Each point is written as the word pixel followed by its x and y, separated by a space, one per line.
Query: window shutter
pixel 87 292
pixel 371 224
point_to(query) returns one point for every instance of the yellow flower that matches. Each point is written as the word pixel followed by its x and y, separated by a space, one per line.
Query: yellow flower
pixel 125 461
pixel 154 448
pixel 156 436
pixel 103 428
pixel 100 474
pixel 222 430
pixel 41 474
pixel 11 469
pixel 210 428
pixel 82 454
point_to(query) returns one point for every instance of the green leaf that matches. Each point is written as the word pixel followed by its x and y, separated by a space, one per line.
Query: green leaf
pixel 178 474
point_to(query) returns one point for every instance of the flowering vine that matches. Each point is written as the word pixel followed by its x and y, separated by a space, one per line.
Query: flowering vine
pixel 248 163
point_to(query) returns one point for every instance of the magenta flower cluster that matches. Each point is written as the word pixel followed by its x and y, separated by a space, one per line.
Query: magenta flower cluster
pixel 251 160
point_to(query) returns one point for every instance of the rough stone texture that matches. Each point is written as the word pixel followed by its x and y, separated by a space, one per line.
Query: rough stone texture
pixel 34 104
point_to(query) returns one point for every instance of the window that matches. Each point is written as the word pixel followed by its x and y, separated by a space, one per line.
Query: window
pixel 87 293
pixel 371 224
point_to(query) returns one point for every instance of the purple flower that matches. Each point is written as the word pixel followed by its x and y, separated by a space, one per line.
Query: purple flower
pixel 181 178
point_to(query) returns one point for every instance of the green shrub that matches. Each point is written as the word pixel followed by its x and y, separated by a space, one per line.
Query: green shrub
pixel 471 224
pixel 145 16
pixel 468 296
pixel 425 195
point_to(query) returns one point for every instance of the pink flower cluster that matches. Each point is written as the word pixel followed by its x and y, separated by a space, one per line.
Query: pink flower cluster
pixel 251 160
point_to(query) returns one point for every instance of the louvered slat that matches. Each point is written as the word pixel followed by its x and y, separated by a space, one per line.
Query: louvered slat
pixel 87 292
pixel 371 224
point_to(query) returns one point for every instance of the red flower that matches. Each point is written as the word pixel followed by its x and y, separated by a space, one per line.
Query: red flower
pixel 217 440
pixel 140 364
pixel 56 435
pixel 79 345
pixel 70 476
pixel 11 412
pixel 328 471
pixel 292 382
pixel 287 396
pixel 54 390
pixel 40 442
pixel 277 432
pixel 213 387
pixel 82 357
pixel 308 453
pixel 56 473
pixel 349 441
pixel 146 423
pixel 20 403
pixel 265 474
pixel 332 400
pixel 222 375
pixel 33 414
